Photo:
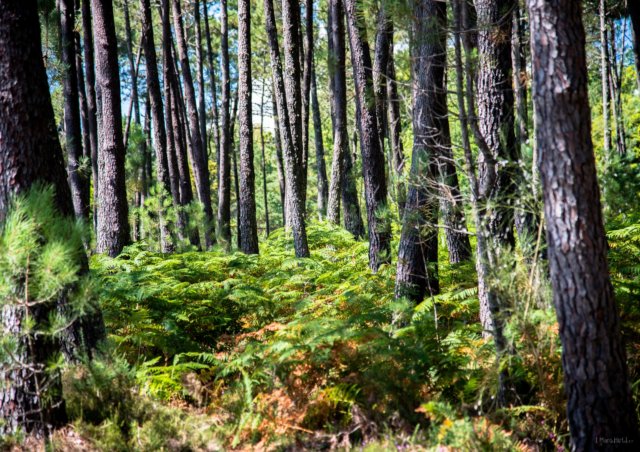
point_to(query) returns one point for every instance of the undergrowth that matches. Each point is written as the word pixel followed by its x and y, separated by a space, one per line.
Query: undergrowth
pixel 272 352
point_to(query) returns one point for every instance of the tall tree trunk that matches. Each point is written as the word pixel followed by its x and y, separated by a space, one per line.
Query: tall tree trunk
pixel 350 200
pixel 336 58
pixel 84 113
pixel 202 113
pixel 372 156
pixel 73 135
pixel 279 158
pixel 264 164
pixel 212 79
pixel 236 180
pixel 290 144
pixel 615 88
pixel 198 153
pixel 113 211
pixel 30 153
pixel 633 8
pixel 321 167
pixel 224 176
pixel 133 71
pixel 248 222
pixel 600 406
pixel 604 64
pixel 380 63
pixel 87 38
pixel 417 270
pixel 395 127
pixel 307 57
pixel 159 131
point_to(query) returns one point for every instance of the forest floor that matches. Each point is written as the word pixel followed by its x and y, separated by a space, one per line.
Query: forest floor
pixel 217 351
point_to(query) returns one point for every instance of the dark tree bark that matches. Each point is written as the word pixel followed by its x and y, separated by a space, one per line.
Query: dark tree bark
pixel 133 67
pixel 604 78
pixel 291 145
pixel 306 55
pixel 73 135
pixel 336 59
pixel 293 83
pixel 212 79
pixel 395 127
pixel 84 109
pixel 113 211
pixel 159 132
pixel 264 165
pixel 224 175
pixel 87 38
pixel 30 153
pixel 380 63
pixel 321 167
pixel 202 113
pixel 198 153
pixel 633 8
pixel 279 157
pixel 417 270
pixel 247 201
pixel 350 200
pixel 375 186
pixel 600 407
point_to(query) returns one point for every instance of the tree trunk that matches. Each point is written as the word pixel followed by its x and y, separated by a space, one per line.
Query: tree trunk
pixel 614 78
pixel 604 64
pixel 198 153
pixel 264 165
pixel 279 157
pixel 212 79
pixel 224 176
pixel 307 56
pixel 417 270
pixel 159 131
pixel 395 127
pixel 380 64
pixel 321 167
pixel 87 38
pixel 600 407
pixel 73 135
pixel 633 8
pixel 372 156
pixel 30 152
pixel 202 113
pixel 113 211
pixel 248 222
pixel 291 148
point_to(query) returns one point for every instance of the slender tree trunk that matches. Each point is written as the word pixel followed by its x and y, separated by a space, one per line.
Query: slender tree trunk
pixel 264 164
pixel 202 113
pixel 279 157
pixel 73 135
pixel 307 56
pixel 248 222
pixel 236 180
pixel 336 58
pixel 288 129
pixel 224 182
pixel 87 38
pixel 417 270
pixel 604 64
pixel 380 64
pixel 633 8
pixel 615 88
pixel 372 156
pixel 350 200
pixel 212 79
pixel 321 167
pixel 133 71
pixel 84 113
pixel 395 127
pixel 113 211
pixel 159 131
pixel 198 153
pixel 600 406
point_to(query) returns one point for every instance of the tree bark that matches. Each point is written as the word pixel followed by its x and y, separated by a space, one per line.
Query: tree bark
pixel 279 158
pixel 212 79
pixel 264 165
pixel 202 113
pixel 372 156
pixel 395 127
pixel 417 268
pixel 113 211
pixel 321 167
pixel 248 222
pixel 224 175
pixel 291 145
pixel 600 407
pixel 198 153
pixel 633 8
pixel 159 131
pixel 73 135
pixel 604 75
